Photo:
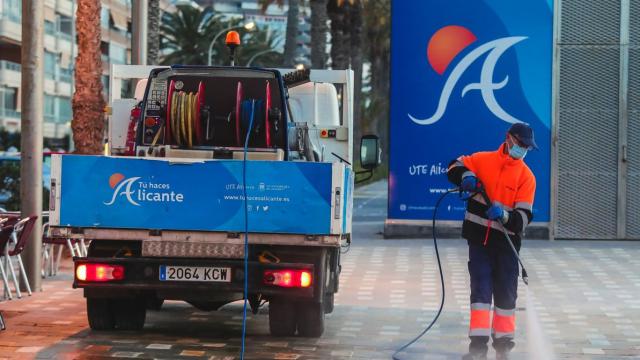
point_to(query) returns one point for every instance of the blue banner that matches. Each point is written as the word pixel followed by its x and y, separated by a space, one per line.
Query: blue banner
pixel 283 197
pixel 462 73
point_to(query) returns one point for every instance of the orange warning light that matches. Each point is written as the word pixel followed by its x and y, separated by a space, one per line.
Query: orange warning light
pixel 233 38
pixel 324 133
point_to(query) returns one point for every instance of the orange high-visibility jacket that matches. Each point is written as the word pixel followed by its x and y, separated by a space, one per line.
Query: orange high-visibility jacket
pixel 507 181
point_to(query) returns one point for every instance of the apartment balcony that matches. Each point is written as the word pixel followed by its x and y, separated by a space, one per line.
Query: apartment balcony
pixel 63 88
pixel 10 119
pixel 10 28
pixel 55 130
pixel 64 7
pixel 10 73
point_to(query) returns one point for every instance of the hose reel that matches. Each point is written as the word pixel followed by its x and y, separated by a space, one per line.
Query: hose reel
pixel 184 120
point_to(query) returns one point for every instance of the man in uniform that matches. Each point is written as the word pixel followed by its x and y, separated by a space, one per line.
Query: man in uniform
pixel 493 267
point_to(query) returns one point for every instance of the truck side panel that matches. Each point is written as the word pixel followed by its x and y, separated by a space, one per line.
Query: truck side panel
pixel 135 193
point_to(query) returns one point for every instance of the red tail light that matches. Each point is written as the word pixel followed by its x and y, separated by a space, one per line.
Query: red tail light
pixel 288 278
pixel 99 272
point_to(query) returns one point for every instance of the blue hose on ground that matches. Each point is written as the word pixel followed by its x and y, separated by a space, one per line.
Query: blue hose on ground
pixel 246 231
pixel 435 245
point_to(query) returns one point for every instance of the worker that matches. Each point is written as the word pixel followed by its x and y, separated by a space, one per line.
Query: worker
pixel 493 267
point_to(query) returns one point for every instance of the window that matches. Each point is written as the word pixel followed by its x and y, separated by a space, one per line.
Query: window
pixel 12 9
pixel 50 27
pixel 118 54
pixel 66 25
pixel 49 65
pixel 66 75
pixel 104 17
pixel 65 110
pixel 49 108
pixel 9 98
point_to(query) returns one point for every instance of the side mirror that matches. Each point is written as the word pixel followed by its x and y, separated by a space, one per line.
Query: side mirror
pixel 369 152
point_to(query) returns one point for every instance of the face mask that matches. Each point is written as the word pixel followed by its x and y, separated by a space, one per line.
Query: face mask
pixel 517 152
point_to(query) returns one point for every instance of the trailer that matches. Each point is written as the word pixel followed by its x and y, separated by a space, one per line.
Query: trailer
pixel 214 176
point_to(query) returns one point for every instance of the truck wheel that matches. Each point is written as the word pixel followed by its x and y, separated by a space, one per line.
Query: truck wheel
pixel 153 303
pixel 282 318
pixel 130 313
pixel 327 304
pixel 310 319
pixel 100 314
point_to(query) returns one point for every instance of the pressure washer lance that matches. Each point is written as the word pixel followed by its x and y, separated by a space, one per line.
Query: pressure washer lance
pixel 525 277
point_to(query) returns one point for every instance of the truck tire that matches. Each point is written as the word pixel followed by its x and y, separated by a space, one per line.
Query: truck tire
pixel 327 304
pixel 282 318
pixel 100 314
pixel 154 303
pixel 130 314
pixel 310 316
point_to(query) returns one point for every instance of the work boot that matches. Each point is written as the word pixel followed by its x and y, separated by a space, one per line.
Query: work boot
pixel 503 347
pixel 502 355
pixel 475 356
pixel 477 348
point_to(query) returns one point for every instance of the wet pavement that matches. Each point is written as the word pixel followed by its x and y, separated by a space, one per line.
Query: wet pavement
pixel 586 296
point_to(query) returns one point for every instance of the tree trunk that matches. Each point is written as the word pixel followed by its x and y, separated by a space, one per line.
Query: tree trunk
pixel 318 34
pixel 378 48
pixel 88 103
pixel 338 53
pixel 291 37
pixel 153 32
pixel 355 28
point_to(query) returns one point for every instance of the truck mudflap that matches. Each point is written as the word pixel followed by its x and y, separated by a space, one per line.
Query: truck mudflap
pixel 204 275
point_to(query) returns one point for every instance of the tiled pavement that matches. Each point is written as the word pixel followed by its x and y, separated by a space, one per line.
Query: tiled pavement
pixel 587 298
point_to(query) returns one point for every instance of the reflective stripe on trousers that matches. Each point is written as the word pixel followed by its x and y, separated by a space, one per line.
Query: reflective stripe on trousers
pixel 504 323
pixel 480 324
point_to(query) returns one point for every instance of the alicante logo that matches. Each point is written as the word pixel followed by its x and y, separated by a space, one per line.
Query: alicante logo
pixel 444 46
pixel 136 191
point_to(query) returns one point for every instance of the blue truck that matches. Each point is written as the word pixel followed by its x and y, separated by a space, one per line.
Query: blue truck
pixel 209 170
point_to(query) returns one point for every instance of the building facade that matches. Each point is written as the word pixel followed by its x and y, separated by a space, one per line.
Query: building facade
pixel 60 50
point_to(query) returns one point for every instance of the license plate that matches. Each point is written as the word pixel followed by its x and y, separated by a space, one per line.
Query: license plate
pixel 195 273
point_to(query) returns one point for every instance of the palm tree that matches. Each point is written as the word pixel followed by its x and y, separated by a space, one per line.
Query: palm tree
pixel 346 49
pixel 336 12
pixel 318 34
pixel 153 32
pixel 256 42
pixel 187 34
pixel 355 47
pixel 88 102
pixel 378 45
pixel 291 36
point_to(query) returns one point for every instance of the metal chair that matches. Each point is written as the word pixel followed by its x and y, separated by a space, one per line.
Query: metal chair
pixel 20 236
pixel 5 236
pixel 51 259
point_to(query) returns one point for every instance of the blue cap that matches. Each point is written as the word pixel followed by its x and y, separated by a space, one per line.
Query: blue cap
pixel 524 133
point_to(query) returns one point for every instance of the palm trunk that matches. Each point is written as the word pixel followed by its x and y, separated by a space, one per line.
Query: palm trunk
pixel 318 34
pixel 291 37
pixel 355 28
pixel 377 40
pixel 153 32
pixel 338 53
pixel 88 103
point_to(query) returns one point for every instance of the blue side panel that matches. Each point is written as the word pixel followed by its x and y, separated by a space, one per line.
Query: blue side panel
pixel 283 197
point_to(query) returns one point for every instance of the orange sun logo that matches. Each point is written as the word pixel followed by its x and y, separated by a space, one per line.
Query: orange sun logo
pixel 115 179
